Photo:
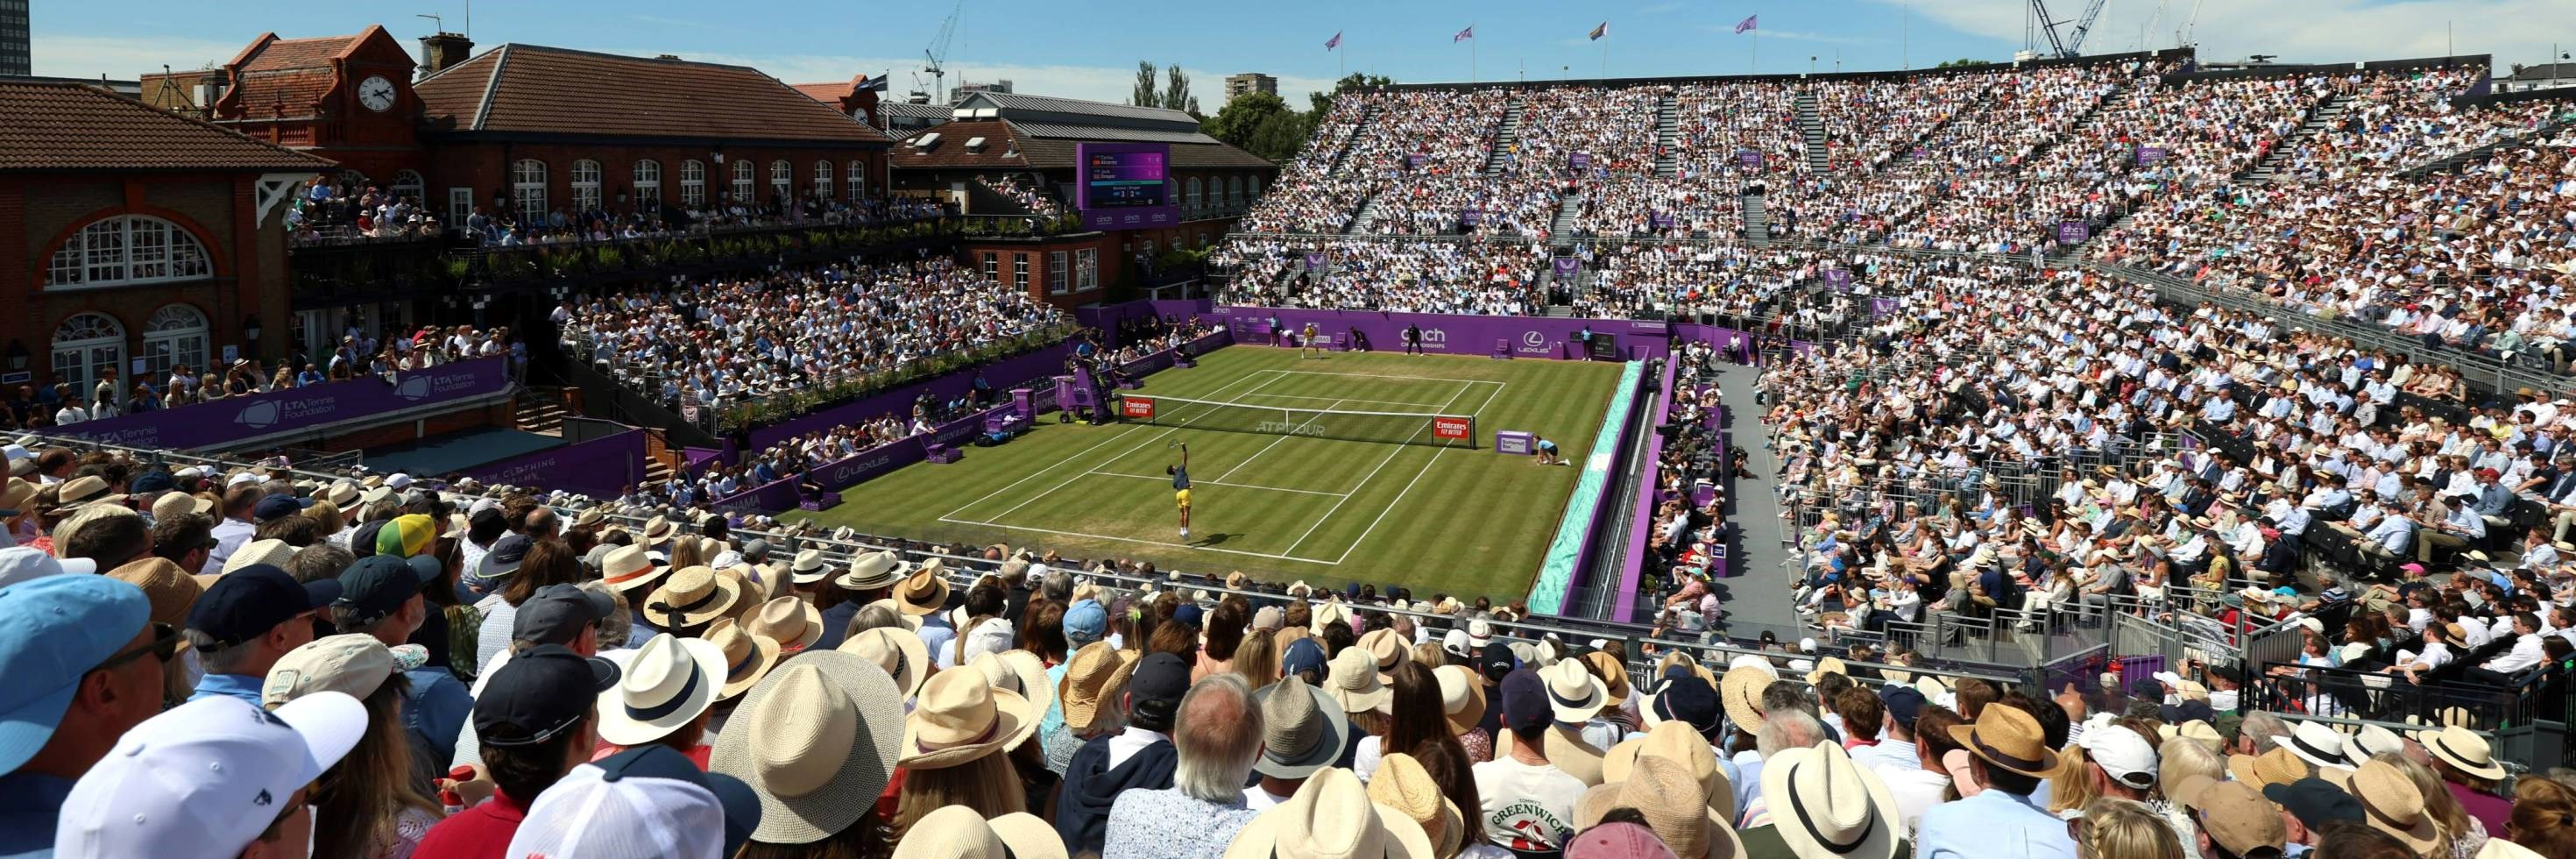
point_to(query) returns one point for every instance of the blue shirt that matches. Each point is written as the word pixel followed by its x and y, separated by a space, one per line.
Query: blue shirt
pixel 30 806
pixel 435 712
pixel 1991 824
pixel 1181 477
pixel 242 686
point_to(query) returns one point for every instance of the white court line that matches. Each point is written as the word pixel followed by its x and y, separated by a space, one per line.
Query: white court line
pixel 1407 490
pixel 1339 400
pixel 1214 483
pixel 1275 442
pixel 1372 475
pixel 1391 376
pixel 1136 540
pixel 1129 430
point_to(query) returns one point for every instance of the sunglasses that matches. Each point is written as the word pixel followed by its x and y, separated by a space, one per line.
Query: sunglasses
pixel 164 646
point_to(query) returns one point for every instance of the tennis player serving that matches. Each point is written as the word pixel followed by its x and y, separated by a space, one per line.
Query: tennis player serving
pixel 1181 488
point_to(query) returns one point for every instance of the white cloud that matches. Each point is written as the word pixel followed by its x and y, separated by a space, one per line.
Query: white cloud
pixel 2297 30
pixel 126 57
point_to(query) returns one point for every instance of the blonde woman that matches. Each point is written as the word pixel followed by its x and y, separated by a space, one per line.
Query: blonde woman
pixel 369 805
pixel 328 514
pixel 2178 759
pixel 1257 659
pixel 2462 836
pixel 2123 829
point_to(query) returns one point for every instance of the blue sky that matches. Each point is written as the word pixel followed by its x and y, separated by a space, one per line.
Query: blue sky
pixel 1090 49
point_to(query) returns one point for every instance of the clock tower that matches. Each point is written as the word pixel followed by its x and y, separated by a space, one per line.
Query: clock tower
pixel 346 98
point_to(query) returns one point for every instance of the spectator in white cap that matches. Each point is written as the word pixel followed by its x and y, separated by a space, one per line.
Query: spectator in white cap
pixel 2115 762
pixel 372 804
pixel 215 778
pixel 25 563
pixel 647 801
pixel 83 662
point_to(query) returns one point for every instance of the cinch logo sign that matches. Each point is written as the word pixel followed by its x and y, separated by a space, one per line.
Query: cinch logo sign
pixel 1136 407
pixel 1457 428
pixel 1434 335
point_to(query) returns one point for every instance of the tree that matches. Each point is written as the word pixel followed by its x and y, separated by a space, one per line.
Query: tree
pixel 1145 95
pixel 1176 91
pixel 1961 63
pixel 1321 103
pixel 1281 136
pixel 1260 123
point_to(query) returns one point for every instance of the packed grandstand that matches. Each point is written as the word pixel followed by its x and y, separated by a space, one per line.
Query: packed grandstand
pixel 2118 459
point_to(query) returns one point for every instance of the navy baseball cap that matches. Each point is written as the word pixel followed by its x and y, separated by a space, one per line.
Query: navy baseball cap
pixel 246 603
pixel 2175 714
pixel 1161 677
pixel 377 586
pixel 1496 661
pixel 1189 615
pixel 538 695
pixel 557 614
pixel 1525 703
pixel 1688 699
pixel 1304 654
pixel 741 805
pixel 152 482
pixel 277 507
pixel 1902 703
pixel 2315 802
pixel 363 541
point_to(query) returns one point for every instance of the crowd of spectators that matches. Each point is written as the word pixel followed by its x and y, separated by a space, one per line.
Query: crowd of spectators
pixel 347 209
pixel 1420 276
pixel 1870 124
pixel 1025 191
pixel 359 355
pixel 1614 131
pixel 1514 205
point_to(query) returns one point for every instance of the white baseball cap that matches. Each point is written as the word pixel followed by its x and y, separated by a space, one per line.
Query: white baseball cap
pixel 596 811
pixel 399 480
pixel 205 778
pixel 2121 753
pixel 21 563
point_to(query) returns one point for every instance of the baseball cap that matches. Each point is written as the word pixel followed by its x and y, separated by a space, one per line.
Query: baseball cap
pixel 538 695
pixel 1496 661
pixel 1304 654
pixel 205 778
pixel 1086 621
pixel 353 664
pixel 1189 615
pixel 2233 814
pixel 1524 698
pixel 645 801
pixel 2315 802
pixel 505 556
pixel 377 586
pixel 406 535
pixel 1160 677
pixel 60 627
pixel 246 603
pixel 276 507
pixel 1903 703
pixel 2121 753
pixel 1454 643
pixel 556 614
pixel 23 563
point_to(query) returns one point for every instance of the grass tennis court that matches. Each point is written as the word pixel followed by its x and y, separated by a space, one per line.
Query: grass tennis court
pixel 1281 506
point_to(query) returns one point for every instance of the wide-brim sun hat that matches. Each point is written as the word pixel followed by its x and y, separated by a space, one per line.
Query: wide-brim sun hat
pixel 2461 749
pixel 748 657
pixel 1352 681
pixel 1829 807
pixel 960 717
pixel 1462 697
pixel 899 651
pixel 2391 804
pixel 817 742
pixel 1574 695
pixel 1094 680
pixel 1018 672
pixel 1740 692
pixel 2009 738
pixel 662 687
pixel 1330 817
pixel 1324 739
pixel 1680 744
pixel 693 595
pixel 1664 793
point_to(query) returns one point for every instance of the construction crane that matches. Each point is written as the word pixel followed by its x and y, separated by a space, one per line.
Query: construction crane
pixel 937 53
pixel 2071 44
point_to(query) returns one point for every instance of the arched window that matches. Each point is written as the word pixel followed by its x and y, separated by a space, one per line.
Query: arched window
pixel 742 182
pixel 648 184
pixel 693 183
pixel 176 334
pixel 1234 190
pixel 127 249
pixel 87 346
pixel 528 187
pixel 1256 187
pixel 858 180
pixel 1194 193
pixel 585 185
pixel 782 179
pixel 408 185
pixel 822 180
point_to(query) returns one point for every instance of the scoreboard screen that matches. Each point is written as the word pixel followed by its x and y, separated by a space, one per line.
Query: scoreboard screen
pixel 1125 185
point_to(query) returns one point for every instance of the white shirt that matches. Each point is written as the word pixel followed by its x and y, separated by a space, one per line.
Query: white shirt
pixel 1131 741
pixel 1914 790
pixel 1533 805
pixel 2523 657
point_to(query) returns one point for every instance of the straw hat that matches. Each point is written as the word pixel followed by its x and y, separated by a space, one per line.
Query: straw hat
pixel 2277 766
pixel 1020 673
pixel 2462 749
pixel 2391 804
pixel 272 552
pixel 960 832
pixel 657 530
pixel 1094 678
pixel 1664 792
pixel 1827 665
pixel 1401 784
pixel 1352 680
pixel 2316 743
pixel 961 717
pixel 1462 697
pixel 871 571
pixel 899 651
pixel 691 596
pixel 1681 744
pixel 1741 693
pixel 747 657
pixel 626 568
pixel 1327 614
pixel 1301 730
pixel 1573 694
pixel 170 590
pixel 924 592
pixel 1387 649
pixel 2371 740
pixel 2195 730
pixel 816 742
pixel 791 621
pixel 664 686
pixel 1331 817
pixel 2005 737
pixel 1834 810
pixel 808 567
pixel 1614 676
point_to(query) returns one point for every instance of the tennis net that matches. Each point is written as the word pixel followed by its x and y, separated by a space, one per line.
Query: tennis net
pixel 1425 428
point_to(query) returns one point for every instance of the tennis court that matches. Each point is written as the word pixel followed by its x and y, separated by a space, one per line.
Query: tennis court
pixel 1325 470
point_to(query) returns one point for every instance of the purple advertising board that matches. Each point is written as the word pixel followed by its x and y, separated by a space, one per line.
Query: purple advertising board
pixel 1314 260
pixel 1004 374
pixel 1660 220
pixel 1458 334
pixel 600 468
pixel 2073 232
pixel 1414 161
pixel 1838 278
pixel 233 420
pixel 1579 160
pixel 1750 158
pixel 1567 267
pixel 2149 156
pixel 1470 217
pixel 1640 531
pixel 1125 186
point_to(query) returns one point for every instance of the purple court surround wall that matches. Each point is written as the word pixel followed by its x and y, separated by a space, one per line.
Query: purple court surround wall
pixel 1447 334
pixel 1004 374
pixel 599 468
pixel 235 419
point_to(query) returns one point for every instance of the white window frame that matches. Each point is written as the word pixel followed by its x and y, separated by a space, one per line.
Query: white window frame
pixel 782 179
pixel 176 334
pixel 460 207
pixel 823 179
pixel 1194 194
pixel 857 180
pixel 1056 277
pixel 992 266
pixel 1020 273
pixel 742 182
pixel 528 187
pixel 648 184
pixel 585 185
pixel 409 185
pixel 103 345
pixel 126 250
pixel 693 183
pixel 1086 269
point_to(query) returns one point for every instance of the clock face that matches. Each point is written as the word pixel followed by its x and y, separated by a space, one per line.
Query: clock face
pixel 376 93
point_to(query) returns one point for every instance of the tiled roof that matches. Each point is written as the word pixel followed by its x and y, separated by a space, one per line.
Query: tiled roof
pixel 1042 153
pixel 830 93
pixel 285 77
pixel 922 111
pixel 531 88
pixel 71 127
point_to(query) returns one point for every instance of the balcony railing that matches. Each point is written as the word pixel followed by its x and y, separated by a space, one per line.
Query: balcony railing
pixel 346 273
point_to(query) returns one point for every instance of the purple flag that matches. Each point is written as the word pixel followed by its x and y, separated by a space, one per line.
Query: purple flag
pixel 1464 35
pixel 1334 42
pixel 1745 24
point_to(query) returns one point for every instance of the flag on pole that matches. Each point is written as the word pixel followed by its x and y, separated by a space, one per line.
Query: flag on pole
pixel 873 84
pixel 1334 42
pixel 1745 24
pixel 1600 31
pixel 1464 35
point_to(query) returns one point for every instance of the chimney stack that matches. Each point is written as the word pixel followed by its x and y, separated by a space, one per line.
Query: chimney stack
pixel 442 50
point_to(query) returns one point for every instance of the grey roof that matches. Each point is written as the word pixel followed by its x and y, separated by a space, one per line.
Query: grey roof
pixel 917 111
pixel 1103 132
pixel 1009 101
pixel 2546 71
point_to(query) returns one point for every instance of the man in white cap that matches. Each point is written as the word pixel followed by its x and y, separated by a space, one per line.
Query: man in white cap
pixel 215 778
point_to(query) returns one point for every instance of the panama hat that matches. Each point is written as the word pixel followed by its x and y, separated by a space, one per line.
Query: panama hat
pixel 1331 817
pixel 1327 614
pixel 1614 676
pixel 2277 766
pixel 1387 649
pixel 2462 749
pixel 747 657
pixel 899 651
pixel 85 490
pixel 961 832
pixel 871 571
pixel 657 530
pixel 1301 730
pixel 1664 792
pixel 1096 677
pixel 816 742
pixel 626 568
pixel 1572 692
pixel 791 621
pixel 1677 742
pixel 1462 697
pixel 924 592
pixel 1827 665
pixel 808 567
pixel 1833 809
pixel 961 717
pixel 1018 672
pixel 2390 803
pixel 2009 738
pixel 2371 740
pixel 2316 743
pixel 271 552
pixel 664 686
pixel 692 596
pixel 1741 694
pixel 1353 682
pixel 1402 785
pixel 2195 730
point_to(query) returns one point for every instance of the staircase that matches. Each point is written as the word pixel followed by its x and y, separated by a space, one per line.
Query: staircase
pixel 1344 154
pixel 2083 124
pixel 1668 134
pixel 2320 118
pixel 1757 224
pixel 1506 136
pixel 540 411
pixel 1812 127
pixel 1560 232
pixel 1368 213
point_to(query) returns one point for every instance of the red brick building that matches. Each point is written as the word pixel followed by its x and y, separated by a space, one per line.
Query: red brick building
pixel 345 98
pixel 136 237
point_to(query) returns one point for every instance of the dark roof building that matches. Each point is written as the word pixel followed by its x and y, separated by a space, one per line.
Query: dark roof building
pixel 535 90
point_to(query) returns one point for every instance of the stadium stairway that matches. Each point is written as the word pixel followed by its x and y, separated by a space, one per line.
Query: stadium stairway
pixel 1506 136
pixel 1812 127
pixel 2320 118
pixel 1757 223
pixel 1367 214
pixel 1758 595
pixel 1560 232
pixel 540 411
pixel 1668 133
pixel 1343 154
pixel 2083 124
